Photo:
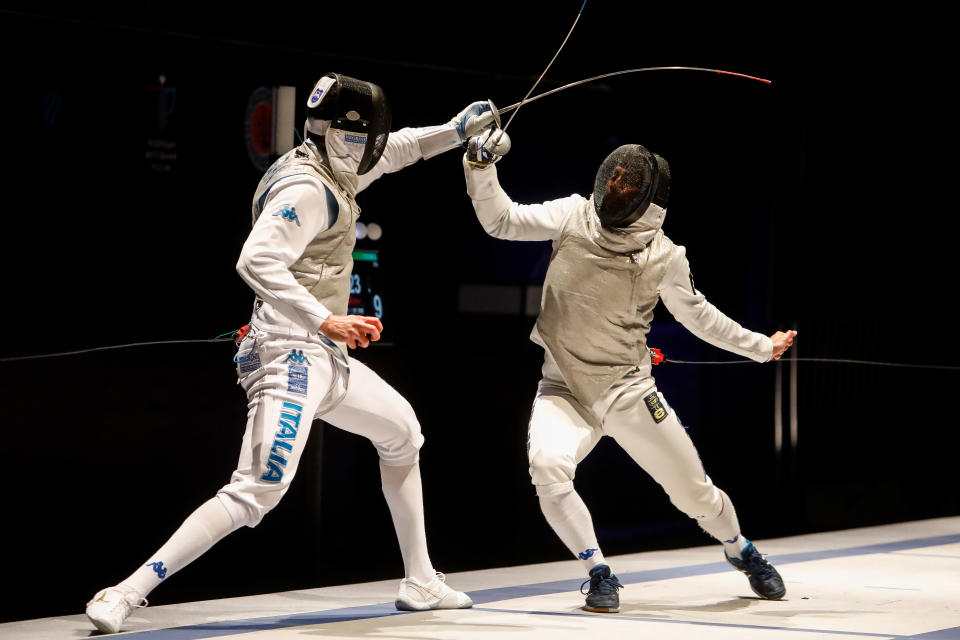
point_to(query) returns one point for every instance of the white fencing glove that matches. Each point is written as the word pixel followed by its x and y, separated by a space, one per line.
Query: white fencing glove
pixel 474 119
pixel 488 147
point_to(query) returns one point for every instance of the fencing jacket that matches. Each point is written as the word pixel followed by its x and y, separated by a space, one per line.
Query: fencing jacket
pixel 602 285
pixel 299 256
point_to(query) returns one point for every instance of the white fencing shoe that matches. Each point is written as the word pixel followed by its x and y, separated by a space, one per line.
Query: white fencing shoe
pixel 111 606
pixel 435 594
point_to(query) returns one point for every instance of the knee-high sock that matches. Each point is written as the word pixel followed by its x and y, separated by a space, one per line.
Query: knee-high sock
pixel 569 517
pixel 404 493
pixel 725 527
pixel 201 530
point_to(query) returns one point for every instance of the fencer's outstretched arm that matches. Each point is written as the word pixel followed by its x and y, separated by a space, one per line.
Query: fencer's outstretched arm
pixel 289 221
pixel 704 320
pixel 503 218
pixel 406 146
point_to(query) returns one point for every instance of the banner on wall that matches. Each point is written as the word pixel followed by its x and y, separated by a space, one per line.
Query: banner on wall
pixel 161 146
pixel 269 124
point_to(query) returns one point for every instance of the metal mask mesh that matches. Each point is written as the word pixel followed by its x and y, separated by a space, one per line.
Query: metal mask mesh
pixel 629 179
pixel 359 107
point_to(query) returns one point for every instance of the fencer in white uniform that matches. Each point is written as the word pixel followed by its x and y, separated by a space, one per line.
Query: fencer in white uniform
pixel 294 363
pixel 610 265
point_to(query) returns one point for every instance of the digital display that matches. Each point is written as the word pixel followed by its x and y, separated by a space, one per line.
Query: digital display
pixel 366 294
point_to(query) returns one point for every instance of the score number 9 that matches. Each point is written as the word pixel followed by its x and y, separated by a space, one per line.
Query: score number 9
pixel 356 288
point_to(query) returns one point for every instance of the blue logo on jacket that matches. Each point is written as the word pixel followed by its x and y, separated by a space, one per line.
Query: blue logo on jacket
pixel 289 214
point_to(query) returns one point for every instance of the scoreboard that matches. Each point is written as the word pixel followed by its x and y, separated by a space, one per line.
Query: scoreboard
pixel 366 284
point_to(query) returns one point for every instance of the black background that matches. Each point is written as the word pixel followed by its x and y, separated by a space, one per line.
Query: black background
pixel 823 201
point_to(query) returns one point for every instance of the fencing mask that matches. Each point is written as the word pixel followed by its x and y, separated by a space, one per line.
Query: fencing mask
pixel 354 118
pixel 629 180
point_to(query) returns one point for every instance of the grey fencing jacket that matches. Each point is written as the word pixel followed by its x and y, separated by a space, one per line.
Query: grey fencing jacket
pixel 602 285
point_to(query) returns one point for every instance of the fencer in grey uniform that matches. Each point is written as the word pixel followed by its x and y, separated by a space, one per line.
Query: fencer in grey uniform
pixel 294 363
pixel 610 265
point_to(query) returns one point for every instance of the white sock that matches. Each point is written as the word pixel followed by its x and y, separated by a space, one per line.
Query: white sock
pixel 201 530
pixel 734 546
pixel 725 527
pixel 570 519
pixel 404 493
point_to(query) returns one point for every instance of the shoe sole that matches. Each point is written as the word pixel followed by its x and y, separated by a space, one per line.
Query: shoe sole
pixel 771 597
pixel 101 627
pixel 602 609
pixel 402 605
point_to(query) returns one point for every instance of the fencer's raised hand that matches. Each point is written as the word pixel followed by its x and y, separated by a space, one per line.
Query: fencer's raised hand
pixel 474 119
pixel 781 342
pixel 356 331
pixel 488 147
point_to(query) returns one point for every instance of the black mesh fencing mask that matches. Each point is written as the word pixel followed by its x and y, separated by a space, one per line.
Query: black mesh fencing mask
pixel 628 181
pixel 359 116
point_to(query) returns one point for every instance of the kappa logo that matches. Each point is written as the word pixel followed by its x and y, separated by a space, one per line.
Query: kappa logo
pixel 288 213
pixel 296 357
pixel 586 555
pixel 655 407
pixel 159 569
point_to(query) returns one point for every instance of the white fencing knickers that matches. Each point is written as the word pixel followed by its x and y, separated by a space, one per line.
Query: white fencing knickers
pixel 562 432
pixel 290 380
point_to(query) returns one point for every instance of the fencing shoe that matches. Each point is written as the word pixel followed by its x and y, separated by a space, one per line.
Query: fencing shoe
pixel 602 596
pixel 764 579
pixel 111 606
pixel 435 594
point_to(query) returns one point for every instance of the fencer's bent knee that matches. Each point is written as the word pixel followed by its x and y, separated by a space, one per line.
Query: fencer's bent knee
pixel 247 508
pixel 554 491
pixel 400 453
pixel 548 467
pixel 701 500
pixel 402 447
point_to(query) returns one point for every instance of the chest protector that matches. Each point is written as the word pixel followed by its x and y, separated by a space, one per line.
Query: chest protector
pixel 597 307
pixel 325 266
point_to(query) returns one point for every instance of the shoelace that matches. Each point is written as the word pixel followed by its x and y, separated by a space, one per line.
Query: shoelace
pixel 758 565
pixel 139 604
pixel 604 586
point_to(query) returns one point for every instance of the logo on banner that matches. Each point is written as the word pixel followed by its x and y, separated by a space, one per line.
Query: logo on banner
pixel 258 128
